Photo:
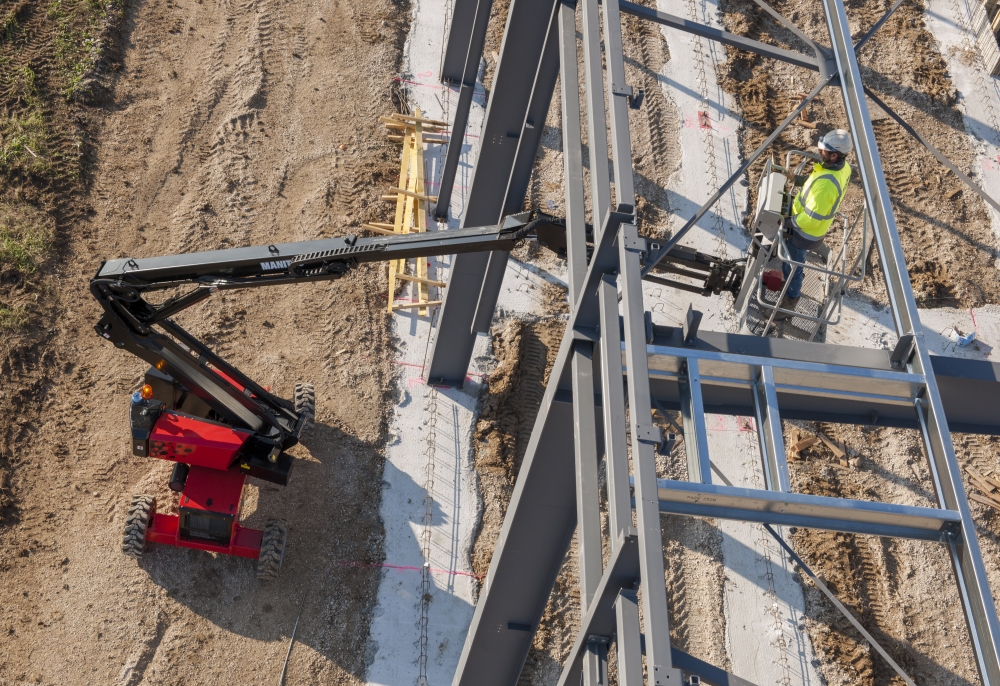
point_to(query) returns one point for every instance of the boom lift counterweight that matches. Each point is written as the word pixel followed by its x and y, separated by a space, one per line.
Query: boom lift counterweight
pixel 219 426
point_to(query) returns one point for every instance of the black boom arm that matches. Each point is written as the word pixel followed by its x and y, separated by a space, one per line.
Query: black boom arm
pixel 129 320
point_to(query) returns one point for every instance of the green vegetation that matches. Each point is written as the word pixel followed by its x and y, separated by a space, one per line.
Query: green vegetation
pixel 49 54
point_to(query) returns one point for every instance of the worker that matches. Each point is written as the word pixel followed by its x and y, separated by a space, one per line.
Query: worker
pixel 814 209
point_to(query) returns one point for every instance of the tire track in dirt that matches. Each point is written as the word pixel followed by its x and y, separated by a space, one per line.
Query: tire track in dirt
pixel 224 127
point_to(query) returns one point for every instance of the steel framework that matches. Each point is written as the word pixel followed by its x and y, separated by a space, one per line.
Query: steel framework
pixel 610 361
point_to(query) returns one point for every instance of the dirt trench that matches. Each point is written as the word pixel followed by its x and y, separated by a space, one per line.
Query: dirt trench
pixel 221 124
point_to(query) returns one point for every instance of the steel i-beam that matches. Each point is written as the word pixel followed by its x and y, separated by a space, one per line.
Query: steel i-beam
pixel 977 599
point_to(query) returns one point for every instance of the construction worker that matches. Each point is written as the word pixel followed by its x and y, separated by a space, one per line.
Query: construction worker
pixel 814 208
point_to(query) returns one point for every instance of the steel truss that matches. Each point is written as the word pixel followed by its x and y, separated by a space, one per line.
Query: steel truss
pixel 610 360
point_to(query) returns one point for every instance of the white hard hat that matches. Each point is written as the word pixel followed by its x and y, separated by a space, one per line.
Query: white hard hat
pixel 837 140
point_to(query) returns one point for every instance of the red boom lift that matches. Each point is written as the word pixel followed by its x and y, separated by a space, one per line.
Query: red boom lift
pixel 217 425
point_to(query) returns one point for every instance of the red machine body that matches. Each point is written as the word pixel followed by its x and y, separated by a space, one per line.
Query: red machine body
pixel 194 441
pixel 211 460
pixel 209 516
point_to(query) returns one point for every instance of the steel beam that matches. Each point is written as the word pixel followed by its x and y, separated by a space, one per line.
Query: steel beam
pixel 693 420
pixel 808 511
pixel 645 438
pixel 619 95
pixel 460 35
pixel 465 76
pixel 613 411
pixel 542 513
pixel 628 639
pixel 528 24
pixel 588 496
pixel 569 80
pixel 974 589
pixel 740 42
pixel 623 571
pixel 821 382
pixel 597 136
pixel 524 161
pixel 772 443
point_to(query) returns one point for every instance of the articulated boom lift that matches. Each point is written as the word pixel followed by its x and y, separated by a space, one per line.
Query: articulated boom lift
pixel 219 426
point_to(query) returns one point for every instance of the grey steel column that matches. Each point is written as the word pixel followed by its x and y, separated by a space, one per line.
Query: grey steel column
pixel 541 516
pixel 977 599
pixel 520 56
pixel 460 35
pixel 772 442
pixel 467 88
pixel 613 409
pixel 693 419
pixel 628 639
pixel 597 125
pixel 524 162
pixel 588 497
pixel 618 101
pixel 576 220
pixel 644 439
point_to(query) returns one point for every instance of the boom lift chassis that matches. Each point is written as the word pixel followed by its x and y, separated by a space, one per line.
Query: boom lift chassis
pixel 219 426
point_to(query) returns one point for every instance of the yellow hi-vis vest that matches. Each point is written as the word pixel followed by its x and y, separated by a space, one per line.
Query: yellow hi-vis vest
pixel 816 204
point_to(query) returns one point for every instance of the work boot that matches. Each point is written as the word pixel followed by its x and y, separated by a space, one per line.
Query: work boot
pixel 787 304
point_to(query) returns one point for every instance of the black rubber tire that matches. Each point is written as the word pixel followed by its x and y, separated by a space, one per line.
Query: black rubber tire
pixel 305 403
pixel 140 513
pixel 272 550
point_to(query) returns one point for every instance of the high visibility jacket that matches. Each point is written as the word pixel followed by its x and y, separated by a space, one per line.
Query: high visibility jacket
pixel 816 204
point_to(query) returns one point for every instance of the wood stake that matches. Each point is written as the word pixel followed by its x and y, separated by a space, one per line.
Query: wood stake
pixel 418 196
pixel 427 282
pixel 377 229
pixel 420 120
pixel 406 306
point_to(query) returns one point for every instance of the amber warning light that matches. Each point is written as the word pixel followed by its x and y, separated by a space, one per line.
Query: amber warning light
pixel 146 392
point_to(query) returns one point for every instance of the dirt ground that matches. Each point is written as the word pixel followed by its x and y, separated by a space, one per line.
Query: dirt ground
pixel 216 125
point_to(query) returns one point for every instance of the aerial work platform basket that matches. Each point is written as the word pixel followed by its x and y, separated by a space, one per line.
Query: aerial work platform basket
pixel 828 272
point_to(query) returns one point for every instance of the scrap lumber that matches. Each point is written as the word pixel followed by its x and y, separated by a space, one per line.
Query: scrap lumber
pixel 417 119
pixel 988 485
pixel 837 447
pixel 411 202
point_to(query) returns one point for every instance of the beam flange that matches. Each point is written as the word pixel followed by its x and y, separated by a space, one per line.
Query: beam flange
pixel 808 511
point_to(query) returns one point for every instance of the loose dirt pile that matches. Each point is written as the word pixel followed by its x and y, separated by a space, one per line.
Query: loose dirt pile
pixel 219 125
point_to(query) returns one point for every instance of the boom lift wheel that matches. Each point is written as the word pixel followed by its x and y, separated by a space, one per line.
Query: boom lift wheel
pixel 272 550
pixel 140 513
pixel 305 402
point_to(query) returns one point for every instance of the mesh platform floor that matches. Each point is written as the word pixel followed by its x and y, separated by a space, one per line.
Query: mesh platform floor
pixel 813 286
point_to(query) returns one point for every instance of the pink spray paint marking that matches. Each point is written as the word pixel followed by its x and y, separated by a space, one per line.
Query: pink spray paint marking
pixel 407 568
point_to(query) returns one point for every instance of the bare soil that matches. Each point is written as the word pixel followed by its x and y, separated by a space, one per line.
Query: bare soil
pixel 220 125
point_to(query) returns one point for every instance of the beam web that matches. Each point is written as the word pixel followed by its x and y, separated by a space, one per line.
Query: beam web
pixel 588 500
pixel 654 592
pixel 597 131
pixel 772 446
pixel 569 78
pixel 693 419
pixel 613 408
pixel 628 639
pixel 618 101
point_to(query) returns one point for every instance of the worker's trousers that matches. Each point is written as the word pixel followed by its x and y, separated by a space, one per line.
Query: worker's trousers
pixel 799 255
